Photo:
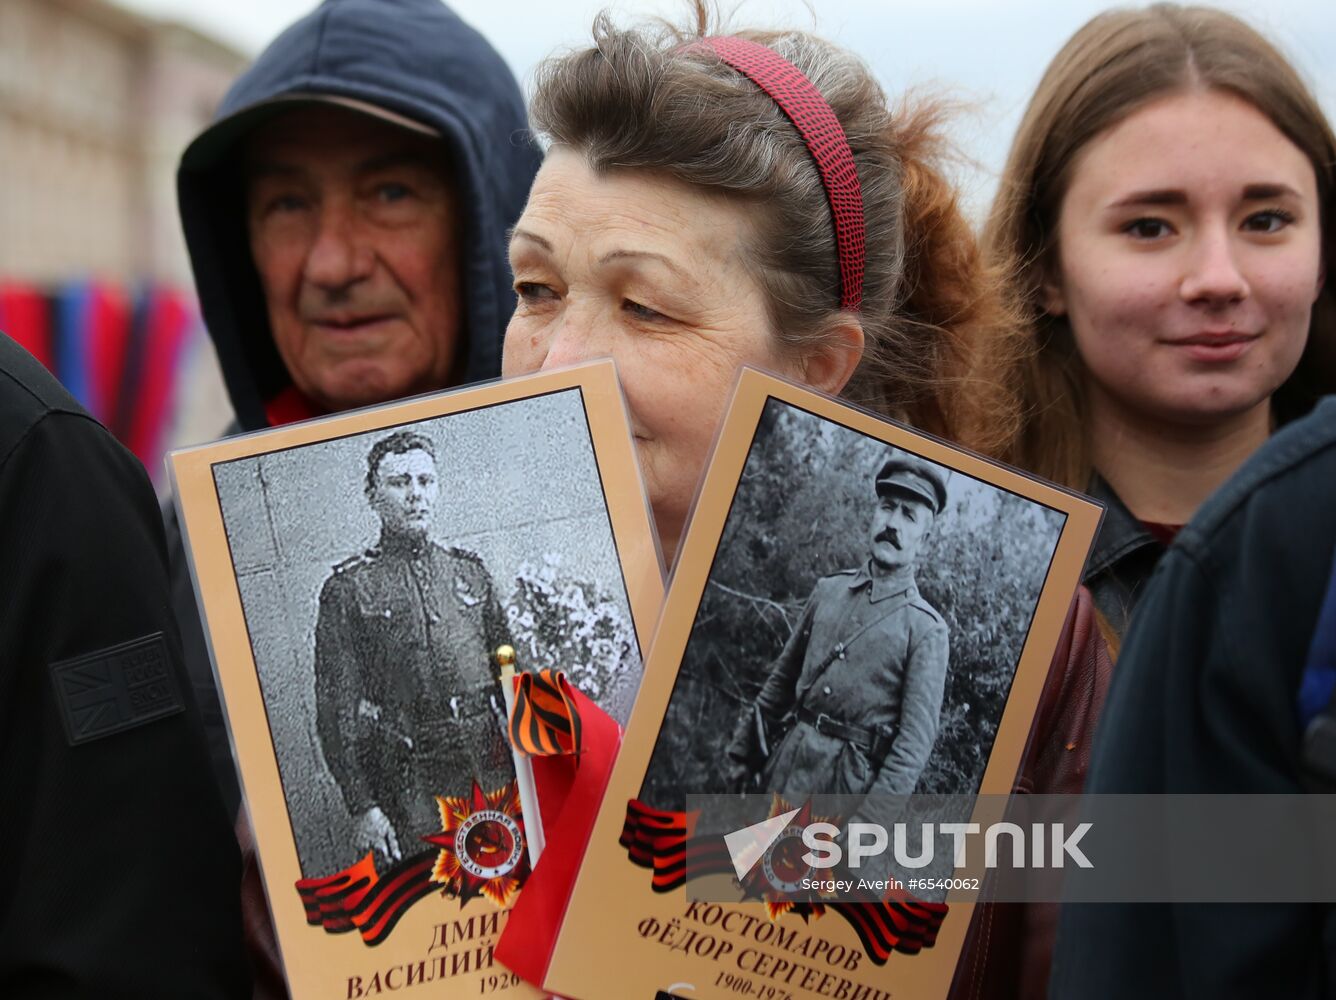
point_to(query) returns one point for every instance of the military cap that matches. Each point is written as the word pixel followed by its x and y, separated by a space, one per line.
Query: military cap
pixel 911 474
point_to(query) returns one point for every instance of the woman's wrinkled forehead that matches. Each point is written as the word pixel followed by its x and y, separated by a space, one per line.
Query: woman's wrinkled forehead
pixel 581 215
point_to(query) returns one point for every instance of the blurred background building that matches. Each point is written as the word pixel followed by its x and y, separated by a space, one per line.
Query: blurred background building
pixel 96 105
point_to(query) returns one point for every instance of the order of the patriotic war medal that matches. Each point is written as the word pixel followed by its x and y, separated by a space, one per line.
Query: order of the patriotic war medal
pixel 489 844
pixel 480 845
pixel 783 863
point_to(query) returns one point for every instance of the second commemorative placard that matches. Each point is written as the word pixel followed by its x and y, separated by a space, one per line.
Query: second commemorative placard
pixel 862 619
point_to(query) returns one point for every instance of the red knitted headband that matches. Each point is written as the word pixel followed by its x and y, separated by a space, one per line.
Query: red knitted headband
pixel 803 105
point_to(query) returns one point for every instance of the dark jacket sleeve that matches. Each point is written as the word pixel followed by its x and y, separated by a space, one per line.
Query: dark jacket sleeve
pixel 199 668
pixel 1203 702
pixel 121 867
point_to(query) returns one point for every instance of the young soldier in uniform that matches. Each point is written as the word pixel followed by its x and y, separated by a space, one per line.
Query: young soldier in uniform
pixel 859 683
pixel 406 705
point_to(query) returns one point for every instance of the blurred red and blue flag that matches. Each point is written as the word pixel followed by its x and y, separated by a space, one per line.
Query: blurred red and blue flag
pixel 119 352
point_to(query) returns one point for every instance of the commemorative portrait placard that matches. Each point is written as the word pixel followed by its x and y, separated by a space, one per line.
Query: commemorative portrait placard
pixel 861 619
pixel 357 576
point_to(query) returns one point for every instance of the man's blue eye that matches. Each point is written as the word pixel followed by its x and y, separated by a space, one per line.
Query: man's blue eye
pixel 286 203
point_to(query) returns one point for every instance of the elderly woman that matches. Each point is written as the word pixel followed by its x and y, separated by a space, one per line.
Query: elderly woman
pixel 712 202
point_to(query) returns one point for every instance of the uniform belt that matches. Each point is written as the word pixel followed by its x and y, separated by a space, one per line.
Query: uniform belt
pixel 441 717
pixel 876 743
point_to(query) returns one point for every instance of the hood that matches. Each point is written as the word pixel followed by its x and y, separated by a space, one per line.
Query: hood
pixel 415 59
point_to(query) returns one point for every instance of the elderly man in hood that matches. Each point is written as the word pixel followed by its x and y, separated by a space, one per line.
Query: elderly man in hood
pixel 346 215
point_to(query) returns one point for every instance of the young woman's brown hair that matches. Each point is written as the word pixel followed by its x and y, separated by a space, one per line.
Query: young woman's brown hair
pixel 1117 63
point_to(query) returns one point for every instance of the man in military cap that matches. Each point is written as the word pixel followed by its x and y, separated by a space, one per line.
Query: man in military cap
pixel 857 689
pixel 407 704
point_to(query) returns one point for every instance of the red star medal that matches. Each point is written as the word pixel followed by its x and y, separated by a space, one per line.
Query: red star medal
pixel 781 869
pixel 482 849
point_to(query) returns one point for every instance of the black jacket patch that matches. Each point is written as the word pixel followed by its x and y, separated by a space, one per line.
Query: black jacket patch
pixel 115 689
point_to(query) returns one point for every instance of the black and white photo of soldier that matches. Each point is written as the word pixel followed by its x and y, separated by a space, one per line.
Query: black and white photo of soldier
pixel 379 571
pixel 860 627
pixel 407 697
pixel 856 692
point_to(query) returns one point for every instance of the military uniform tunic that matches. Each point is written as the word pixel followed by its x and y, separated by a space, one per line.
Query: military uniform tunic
pixel 870 653
pixel 408 707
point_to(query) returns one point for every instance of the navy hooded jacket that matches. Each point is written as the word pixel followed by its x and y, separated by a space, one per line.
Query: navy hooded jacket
pixel 415 58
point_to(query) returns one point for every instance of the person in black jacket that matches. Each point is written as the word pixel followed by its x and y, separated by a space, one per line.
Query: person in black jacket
pixel 1204 701
pixel 121 868
pixel 346 217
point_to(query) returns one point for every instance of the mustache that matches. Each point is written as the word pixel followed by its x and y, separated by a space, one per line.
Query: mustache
pixel 354 298
pixel 889 535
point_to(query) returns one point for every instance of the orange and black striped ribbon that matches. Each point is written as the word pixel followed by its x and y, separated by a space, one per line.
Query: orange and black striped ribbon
pixel 545 721
pixel 663 841
pixel 361 899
